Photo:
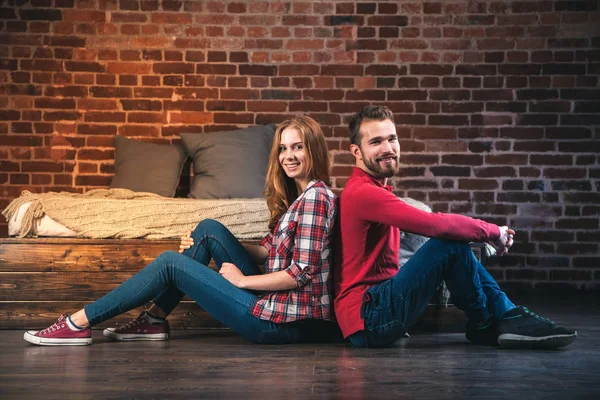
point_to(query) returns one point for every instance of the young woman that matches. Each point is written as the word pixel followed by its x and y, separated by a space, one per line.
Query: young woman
pixel 290 302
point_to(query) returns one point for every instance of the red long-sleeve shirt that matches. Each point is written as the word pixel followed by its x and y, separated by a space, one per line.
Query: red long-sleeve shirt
pixel 367 247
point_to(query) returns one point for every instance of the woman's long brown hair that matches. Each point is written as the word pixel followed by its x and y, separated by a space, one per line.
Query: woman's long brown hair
pixel 281 190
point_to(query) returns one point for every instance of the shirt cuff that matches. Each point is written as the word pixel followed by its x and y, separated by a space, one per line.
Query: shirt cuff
pixel 300 275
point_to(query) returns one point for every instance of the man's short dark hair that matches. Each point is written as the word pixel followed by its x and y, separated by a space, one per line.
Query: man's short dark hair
pixel 377 113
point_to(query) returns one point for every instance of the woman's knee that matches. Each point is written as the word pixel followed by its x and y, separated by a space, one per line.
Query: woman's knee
pixel 208 226
pixel 167 258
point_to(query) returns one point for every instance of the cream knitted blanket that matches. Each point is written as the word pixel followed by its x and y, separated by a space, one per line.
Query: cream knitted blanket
pixel 123 214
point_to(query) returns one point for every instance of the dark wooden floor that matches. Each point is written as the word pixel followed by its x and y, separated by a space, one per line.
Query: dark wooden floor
pixel 219 364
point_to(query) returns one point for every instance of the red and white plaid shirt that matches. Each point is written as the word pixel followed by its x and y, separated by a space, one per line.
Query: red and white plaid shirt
pixel 301 246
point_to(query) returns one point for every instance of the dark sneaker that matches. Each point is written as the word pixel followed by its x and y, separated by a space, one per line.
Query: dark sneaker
pixel 486 335
pixel 520 328
pixel 59 334
pixel 139 329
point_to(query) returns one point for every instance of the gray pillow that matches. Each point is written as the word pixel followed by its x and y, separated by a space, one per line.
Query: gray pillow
pixel 147 167
pixel 229 164
pixel 411 242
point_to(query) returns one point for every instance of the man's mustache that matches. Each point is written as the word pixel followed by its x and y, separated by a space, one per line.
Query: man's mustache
pixel 386 155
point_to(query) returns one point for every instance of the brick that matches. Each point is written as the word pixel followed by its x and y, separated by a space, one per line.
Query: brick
pixel 551 159
pixel 518 197
pixel 495 172
pixel 580 119
pixel 267 106
pixel 216 69
pixel 128 68
pixel 190 117
pixel 173 68
pixel 92 180
pixel 40 14
pixel 92 116
pixel 568 133
pixel 278 94
pixel 216 105
pixel 385 70
pixel 448 196
pixel 587 147
pixel 507 159
pixel 42 65
pixel 138 130
pixel 263 70
pixel 55 103
pixel 183 105
pixel 41 166
pixel 450 171
pixel 107 91
pixel 448 120
pixel 323 94
pixel 146 118
pixel 92 129
pixel 577 248
pixel 535 146
pixel 235 118
pixel 537 119
pixel 106 79
pixel 571 185
pixel 477 184
pixel 164 93
pixel 580 94
pixel 61 115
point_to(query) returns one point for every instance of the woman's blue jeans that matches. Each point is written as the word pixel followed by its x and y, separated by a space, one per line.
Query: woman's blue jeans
pixel 171 275
pixel 394 305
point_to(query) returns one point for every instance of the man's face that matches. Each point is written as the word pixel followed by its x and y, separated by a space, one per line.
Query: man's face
pixel 379 151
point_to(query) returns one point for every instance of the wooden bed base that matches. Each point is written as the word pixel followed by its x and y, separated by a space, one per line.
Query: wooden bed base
pixel 40 278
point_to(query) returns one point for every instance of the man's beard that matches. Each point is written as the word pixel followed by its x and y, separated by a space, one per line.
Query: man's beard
pixel 379 171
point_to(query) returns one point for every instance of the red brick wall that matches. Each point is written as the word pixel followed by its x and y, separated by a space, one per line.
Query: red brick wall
pixel 497 102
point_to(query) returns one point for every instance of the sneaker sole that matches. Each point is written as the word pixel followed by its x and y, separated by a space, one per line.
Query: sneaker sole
pixel 31 338
pixel 132 337
pixel 512 341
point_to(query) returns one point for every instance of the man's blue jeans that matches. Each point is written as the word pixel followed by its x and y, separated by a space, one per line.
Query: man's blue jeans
pixel 394 305
pixel 171 275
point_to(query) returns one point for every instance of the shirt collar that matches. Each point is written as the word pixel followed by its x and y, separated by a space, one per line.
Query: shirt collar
pixel 359 173
pixel 310 184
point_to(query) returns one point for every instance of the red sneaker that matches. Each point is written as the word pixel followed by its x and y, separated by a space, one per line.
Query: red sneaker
pixel 139 329
pixel 59 334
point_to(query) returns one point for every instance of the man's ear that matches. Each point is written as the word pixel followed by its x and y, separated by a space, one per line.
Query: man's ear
pixel 355 150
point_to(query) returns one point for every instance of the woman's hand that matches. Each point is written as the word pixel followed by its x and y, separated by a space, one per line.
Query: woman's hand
pixel 186 242
pixel 505 241
pixel 232 273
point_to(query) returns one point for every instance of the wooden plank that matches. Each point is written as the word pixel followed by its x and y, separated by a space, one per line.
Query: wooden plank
pixel 187 315
pixel 40 314
pixel 58 286
pixel 20 257
pixel 67 240
pixel 78 257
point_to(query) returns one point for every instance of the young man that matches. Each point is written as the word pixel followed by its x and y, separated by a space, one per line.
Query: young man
pixel 375 301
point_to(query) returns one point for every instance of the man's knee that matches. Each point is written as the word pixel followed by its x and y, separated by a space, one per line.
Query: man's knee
pixel 448 244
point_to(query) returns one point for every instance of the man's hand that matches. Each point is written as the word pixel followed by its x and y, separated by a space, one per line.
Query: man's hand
pixel 232 273
pixel 504 242
pixel 186 242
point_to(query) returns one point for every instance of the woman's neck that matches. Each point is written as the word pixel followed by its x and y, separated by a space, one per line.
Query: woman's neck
pixel 301 185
